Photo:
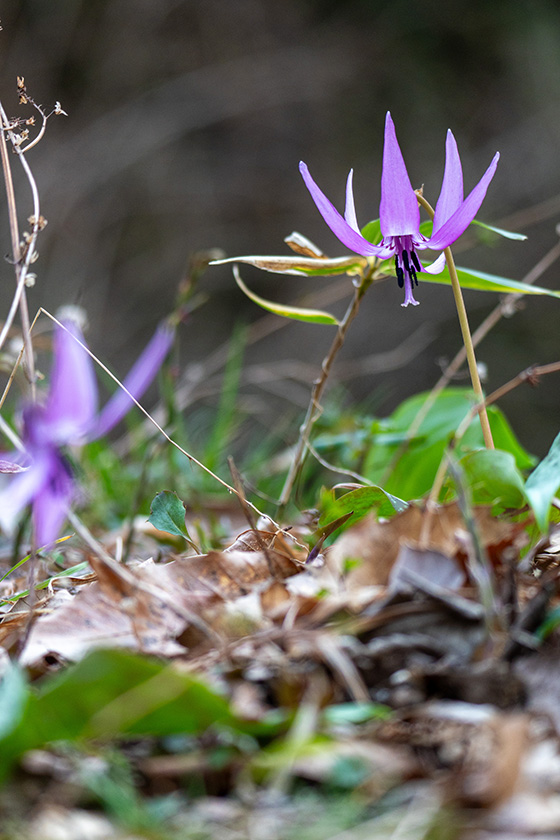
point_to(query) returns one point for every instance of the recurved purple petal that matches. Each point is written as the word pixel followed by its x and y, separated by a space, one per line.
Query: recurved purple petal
pixel 461 218
pixel 19 492
pixel 436 267
pixel 451 195
pixel 399 214
pixel 72 400
pixel 138 380
pixel 350 208
pixel 339 226
pixel 51 503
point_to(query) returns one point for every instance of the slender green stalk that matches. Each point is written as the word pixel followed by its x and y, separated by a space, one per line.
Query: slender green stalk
pixel 466 333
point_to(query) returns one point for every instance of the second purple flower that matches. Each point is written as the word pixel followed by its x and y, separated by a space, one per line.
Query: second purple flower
pixel 68 417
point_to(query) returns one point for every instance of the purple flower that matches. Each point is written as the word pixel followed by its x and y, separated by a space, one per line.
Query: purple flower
pixel 399 213
pixel 69 417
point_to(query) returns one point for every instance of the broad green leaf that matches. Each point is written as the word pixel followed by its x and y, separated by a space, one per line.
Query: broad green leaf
pixel 325 531
pixel 504 439
pixel 296 313
pixel 13 699
pixel 543 483
pixel 372 232
pixel 359 503
pixel 302 266
pixel 493 478
pixel 507 234
pixel 408 472
pixel 167 513
pixel 471 279
pixel 114 693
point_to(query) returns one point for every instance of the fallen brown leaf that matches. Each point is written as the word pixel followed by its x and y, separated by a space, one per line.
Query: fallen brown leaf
pixel 370 548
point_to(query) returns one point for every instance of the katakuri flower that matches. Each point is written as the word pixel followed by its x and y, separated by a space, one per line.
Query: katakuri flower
pixel 69 417
pixel 399 213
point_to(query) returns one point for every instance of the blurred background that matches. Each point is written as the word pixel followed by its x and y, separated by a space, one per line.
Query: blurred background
pixel 186 121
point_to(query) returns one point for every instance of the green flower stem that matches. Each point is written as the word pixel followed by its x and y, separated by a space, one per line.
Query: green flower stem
pixel 466 333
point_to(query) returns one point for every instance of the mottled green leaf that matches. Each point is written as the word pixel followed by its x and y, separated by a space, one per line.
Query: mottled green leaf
pixel 302 266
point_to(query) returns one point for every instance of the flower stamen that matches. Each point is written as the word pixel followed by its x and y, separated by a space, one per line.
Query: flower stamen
pixel 399 272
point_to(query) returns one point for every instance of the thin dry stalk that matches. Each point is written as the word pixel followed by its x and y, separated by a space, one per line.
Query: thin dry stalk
pixel 314 408
pixel 157 425
pixel 20 266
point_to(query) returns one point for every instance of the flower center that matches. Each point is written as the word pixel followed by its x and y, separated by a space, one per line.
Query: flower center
pixel 406 262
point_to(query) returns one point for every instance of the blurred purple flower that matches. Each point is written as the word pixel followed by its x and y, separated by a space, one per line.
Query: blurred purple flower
pixel 69 417
pixel 399 213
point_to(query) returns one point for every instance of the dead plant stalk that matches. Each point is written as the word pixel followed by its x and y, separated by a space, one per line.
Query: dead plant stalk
pixel 314 408
pixel 21 262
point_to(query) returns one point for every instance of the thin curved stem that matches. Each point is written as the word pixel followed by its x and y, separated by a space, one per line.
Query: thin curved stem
pixel 465 332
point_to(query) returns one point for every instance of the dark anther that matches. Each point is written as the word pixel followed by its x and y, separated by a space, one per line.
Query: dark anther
pixel 415 260
pixel 409 269
pixel 399 272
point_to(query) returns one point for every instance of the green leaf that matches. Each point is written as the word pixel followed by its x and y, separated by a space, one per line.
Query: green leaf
pixel 372 232
pixel 228 416
pixel 113 693
pixel 302 266
pixel 45 584
pixel 543 483
pixel 167 513
pixel 342 713
pixel 426 228
pixel 349 772
pixel 13 699
pixel 471 279
pixel 493 478
pixel 409 472
pixel 549 625
pixel 507 234
pixel 296 313
pixel 359 503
